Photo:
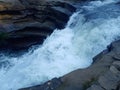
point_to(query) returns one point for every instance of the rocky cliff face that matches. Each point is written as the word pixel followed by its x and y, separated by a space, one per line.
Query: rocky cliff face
pixel 27 22
pixel 103 74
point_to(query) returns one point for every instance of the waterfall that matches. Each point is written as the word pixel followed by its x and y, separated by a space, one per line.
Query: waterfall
pixel 87 33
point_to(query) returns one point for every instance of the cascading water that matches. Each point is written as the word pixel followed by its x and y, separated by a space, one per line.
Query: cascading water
pixel 87 33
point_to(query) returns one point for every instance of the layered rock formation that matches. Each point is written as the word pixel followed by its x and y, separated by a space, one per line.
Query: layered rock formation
pixel 103 74
pixel 27 22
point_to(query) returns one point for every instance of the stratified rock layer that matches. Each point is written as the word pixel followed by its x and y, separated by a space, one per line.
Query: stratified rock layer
pixel 27 22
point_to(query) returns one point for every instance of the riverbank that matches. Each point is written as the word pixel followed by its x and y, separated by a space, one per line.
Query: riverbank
pixel 103 74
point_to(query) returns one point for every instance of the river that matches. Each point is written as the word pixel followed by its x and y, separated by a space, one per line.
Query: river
pixel 86 34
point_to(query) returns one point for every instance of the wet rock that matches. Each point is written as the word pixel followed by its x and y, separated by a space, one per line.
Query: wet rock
pixel 109 81
pixel 29 22
pixel 117 65
pixel 95 87
pixel 114 69
pixel 50 85
pixel 103 74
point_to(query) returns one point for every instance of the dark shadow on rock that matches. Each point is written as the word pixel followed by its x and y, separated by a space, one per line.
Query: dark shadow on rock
pixel 31 21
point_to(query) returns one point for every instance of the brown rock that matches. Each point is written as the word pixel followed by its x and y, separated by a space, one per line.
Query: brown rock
pixel 29 22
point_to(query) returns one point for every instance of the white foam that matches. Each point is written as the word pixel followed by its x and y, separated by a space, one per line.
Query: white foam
pixel 62 52
pixel 98 3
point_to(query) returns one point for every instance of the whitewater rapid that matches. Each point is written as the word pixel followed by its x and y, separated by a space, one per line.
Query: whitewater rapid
pixel 87 33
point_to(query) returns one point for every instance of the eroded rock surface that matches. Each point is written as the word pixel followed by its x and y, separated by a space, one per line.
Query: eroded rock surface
pixel 27 22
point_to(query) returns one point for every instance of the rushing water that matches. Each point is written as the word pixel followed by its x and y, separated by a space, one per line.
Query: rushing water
pixel 87 33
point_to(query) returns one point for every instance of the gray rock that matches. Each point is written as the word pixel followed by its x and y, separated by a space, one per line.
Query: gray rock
pixel 50 85
pixel 95 87
pixel 113 69
pixel 109 80
pixel 104 71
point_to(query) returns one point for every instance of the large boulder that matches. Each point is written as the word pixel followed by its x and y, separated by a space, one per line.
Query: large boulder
pixel 27 22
